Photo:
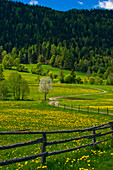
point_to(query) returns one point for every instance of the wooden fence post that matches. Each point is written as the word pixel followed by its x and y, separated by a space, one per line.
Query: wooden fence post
pixel 43 148
pixel 112 129
pixel 94 139
pixel 71 107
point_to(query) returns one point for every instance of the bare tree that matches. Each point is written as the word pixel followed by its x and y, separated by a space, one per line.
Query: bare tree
pixel 45 85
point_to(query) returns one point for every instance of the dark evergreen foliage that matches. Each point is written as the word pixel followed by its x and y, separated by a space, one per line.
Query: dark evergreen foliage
pixel 76 39
pixel 23 25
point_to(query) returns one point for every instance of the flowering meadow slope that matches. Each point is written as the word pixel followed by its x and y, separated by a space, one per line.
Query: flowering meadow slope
pixel 36 115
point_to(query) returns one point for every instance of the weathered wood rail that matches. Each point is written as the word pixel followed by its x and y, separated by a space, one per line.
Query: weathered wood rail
pixel 44 143
pixel 87 109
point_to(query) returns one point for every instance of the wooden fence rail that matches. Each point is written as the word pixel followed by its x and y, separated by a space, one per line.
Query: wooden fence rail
pixel 44 142
pixel 86 109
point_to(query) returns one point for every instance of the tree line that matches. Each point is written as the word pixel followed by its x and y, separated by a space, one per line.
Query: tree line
pixel 75 39
pixel 57 56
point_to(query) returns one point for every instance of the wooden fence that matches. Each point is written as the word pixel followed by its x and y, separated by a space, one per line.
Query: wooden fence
pixel 44 143
pixel 87 109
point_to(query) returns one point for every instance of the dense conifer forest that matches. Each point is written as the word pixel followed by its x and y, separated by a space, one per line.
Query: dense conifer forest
pixel 75 39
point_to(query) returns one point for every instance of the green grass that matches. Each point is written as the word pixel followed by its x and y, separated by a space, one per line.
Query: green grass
pixel 56 70
pixel 35 115
pixel 93 101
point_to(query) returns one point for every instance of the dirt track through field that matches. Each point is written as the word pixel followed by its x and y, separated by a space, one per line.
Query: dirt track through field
pixel 54 100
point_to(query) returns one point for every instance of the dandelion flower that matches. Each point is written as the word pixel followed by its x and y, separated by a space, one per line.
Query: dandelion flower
pixel 26 162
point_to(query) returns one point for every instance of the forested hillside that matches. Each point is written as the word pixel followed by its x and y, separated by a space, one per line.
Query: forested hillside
pixel 78 39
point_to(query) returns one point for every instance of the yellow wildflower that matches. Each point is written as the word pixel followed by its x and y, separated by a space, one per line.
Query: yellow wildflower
pixel 26 162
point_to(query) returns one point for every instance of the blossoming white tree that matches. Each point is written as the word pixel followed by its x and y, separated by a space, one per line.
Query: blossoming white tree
pixel 45 85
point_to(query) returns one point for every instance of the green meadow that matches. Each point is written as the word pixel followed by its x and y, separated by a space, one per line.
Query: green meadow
pixel 100 100
pixel 37 115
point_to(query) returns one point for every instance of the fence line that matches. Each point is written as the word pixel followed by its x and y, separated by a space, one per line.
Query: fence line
pixel 88 109
pixel 44 142
pixel 60 131
pixel 22 144
pixel 85 108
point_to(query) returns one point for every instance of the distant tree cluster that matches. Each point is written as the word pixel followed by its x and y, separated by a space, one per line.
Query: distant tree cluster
pixel 37 69
pixel 12 59
pixel 15 86
pixel 56 56
pixel 76 39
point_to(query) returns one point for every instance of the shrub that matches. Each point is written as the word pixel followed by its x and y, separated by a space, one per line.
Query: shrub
pixel 37 69
pixel 50 74
pixel 55 75
pixel 61 79
pixel 91 80
pixel 33 70
pixel 81 82
pixel 22 68
pixel 110 79
pixel 85 81
pixel 68 79
pixel 78 79
pixel 98 81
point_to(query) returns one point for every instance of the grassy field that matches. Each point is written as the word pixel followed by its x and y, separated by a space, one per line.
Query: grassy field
pixel 99 100
pixel 57 70
pixel 35 115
